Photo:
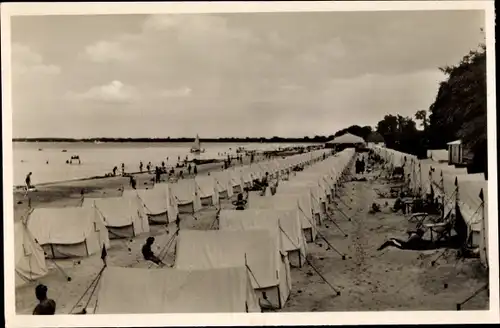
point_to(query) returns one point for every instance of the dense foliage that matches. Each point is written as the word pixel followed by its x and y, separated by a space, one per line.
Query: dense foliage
pixel 458 112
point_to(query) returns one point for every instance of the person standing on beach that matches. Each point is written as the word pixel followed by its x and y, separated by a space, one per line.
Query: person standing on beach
pixel 195 170
pixel 189 169
pixel 28 181
pixel 114 170
pixel 158 174
pixel 132 182
pixel 123 168
pixel 141 166
pixel 45 305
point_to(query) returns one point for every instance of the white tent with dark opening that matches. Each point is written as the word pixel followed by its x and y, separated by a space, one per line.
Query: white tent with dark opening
pixel 224 184
pixel 208 189
pixel 68 231
pixel 158 202
pixel 283 224
pixel 187 196
pixel 256 249
pixel 124 216
pixel 300 202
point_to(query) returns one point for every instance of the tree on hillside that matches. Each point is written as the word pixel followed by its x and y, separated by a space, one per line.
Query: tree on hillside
pixel 401 133
pixel 459 110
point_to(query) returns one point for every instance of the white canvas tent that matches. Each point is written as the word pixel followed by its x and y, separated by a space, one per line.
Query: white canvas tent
pixel 208 189
pixel 438 155
pixel 187 196
pixel 68 231
pixel 236 180
pixel 224 184
pixel 471 206
pixel 124 216
pixel 159 203
pixel 29 256
pixel 300 202
pixel 283 224
pixel 313 189
pixel 134 291
pixel 269 269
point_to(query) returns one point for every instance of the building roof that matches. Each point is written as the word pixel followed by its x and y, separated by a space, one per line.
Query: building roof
pixel 456 142
pixel 347 139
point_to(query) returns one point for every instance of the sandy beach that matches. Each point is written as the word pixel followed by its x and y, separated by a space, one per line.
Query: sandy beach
pixel 368 280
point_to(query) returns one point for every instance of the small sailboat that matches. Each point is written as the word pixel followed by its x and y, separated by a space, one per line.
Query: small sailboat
pixel 196 148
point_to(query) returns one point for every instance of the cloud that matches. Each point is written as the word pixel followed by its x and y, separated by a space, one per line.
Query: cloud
pixel 26 62
pixel 107 51
pixel 238 74
pixel 114 92
pixel 176 93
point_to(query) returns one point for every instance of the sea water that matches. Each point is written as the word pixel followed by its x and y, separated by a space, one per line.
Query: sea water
pixel 47 161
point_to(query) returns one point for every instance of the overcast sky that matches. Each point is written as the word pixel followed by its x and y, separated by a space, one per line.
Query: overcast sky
pixel 286 74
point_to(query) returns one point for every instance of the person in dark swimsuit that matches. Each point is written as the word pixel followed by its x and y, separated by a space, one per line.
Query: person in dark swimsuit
pixel 28 181
pixel 45 306
pixel 148 254
pixel 414 242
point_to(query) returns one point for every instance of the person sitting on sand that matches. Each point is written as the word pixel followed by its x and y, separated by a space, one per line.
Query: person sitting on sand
pixel 45 305
pixel 148 254
pixel 240 202
pixel 28 181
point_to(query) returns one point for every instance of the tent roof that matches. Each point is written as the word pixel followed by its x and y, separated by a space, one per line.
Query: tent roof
pixel 29 255
pixel 347 139
pixel 66 225
pixel 456 142
pixel 175 291
pixel 117 211
pixel 211 249
pixel 438 155
pixel 283 224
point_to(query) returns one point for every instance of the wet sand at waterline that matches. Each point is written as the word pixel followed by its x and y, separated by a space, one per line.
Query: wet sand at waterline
pixel 368 279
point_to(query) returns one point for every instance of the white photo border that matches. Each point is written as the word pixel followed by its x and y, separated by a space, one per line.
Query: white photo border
pixel 311 318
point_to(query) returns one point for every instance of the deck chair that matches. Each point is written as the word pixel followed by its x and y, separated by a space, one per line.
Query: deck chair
pixel 441 230
pixel 418 219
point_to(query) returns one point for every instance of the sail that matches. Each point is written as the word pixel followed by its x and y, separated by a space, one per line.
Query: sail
pixel 196 145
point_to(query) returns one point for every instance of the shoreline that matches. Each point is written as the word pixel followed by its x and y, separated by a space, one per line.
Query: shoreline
pixel 62 193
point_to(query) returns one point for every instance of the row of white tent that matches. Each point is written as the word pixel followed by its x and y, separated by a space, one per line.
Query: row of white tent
pixel 253 250
pixel 211 260
pixel 81 231
pixel 454 187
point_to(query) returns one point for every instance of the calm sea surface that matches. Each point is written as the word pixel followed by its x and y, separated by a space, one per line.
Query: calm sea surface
pixel 99 159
